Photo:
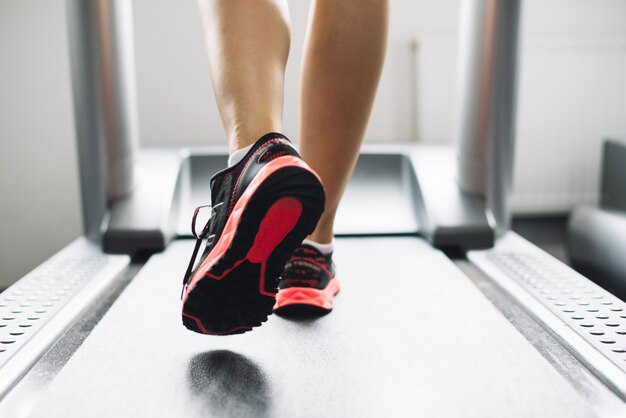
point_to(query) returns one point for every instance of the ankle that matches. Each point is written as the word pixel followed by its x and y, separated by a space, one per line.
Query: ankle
pixel 324 249
pixel 239 154
pixel 321 237
pixel 242 136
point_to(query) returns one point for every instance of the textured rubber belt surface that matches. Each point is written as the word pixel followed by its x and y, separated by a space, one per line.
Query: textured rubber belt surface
pixel 410 335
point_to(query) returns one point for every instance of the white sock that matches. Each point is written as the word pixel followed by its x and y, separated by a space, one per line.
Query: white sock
pixel 238 155
pixel 325 249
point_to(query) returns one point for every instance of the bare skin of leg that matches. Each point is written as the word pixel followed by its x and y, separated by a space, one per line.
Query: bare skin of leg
pixel 343 60
pixel 247 42
pixel 344 55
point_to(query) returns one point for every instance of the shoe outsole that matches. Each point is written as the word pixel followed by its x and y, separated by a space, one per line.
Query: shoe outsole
pixel 237 293
pixel 302 311
pixel 294 302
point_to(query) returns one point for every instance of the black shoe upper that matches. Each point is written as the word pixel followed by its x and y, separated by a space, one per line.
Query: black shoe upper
pixel 228 185
pixel 307 267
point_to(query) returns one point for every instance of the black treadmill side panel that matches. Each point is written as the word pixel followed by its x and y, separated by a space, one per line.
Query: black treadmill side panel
pixel 614 175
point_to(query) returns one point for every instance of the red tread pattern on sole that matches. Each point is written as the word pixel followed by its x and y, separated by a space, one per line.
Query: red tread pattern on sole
pixel 322 298
pixel 233 220
pixel 275 226
pixel 279 220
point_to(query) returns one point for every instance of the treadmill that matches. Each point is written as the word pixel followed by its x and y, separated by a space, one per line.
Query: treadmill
pixel 443 311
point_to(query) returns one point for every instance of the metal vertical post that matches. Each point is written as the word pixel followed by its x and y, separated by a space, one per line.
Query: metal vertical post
pixel 486 113
pixel 103 75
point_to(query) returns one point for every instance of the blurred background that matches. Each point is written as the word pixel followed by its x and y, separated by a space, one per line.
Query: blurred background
pixel 572 95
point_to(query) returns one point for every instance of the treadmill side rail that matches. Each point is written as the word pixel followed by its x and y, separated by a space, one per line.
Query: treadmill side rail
pixel 143 221
pixel 40 307
pixel 588 321
pixel 448 216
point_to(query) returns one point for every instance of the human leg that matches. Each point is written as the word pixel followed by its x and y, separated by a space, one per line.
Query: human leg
pixel 268 199
pixel 343 60
pixel 247 44
pixel 345 50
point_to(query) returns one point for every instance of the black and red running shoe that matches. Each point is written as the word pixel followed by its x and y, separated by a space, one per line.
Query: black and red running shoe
pixel 262 209
pixel 309 284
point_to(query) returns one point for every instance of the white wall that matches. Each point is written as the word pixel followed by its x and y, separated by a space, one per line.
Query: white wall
pixel 175 100
pixel 571 95
pixel 39 197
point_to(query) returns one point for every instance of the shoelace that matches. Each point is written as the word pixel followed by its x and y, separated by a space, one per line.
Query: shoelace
pixel 204 234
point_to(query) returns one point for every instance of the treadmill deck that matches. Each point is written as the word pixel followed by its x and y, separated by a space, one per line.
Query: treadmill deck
pixel 410 335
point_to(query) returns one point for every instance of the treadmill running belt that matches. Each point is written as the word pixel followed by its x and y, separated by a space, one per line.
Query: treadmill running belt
pixel 410 336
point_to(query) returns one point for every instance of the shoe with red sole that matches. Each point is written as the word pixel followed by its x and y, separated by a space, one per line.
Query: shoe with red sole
pixel 262 209
pixel 308 286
